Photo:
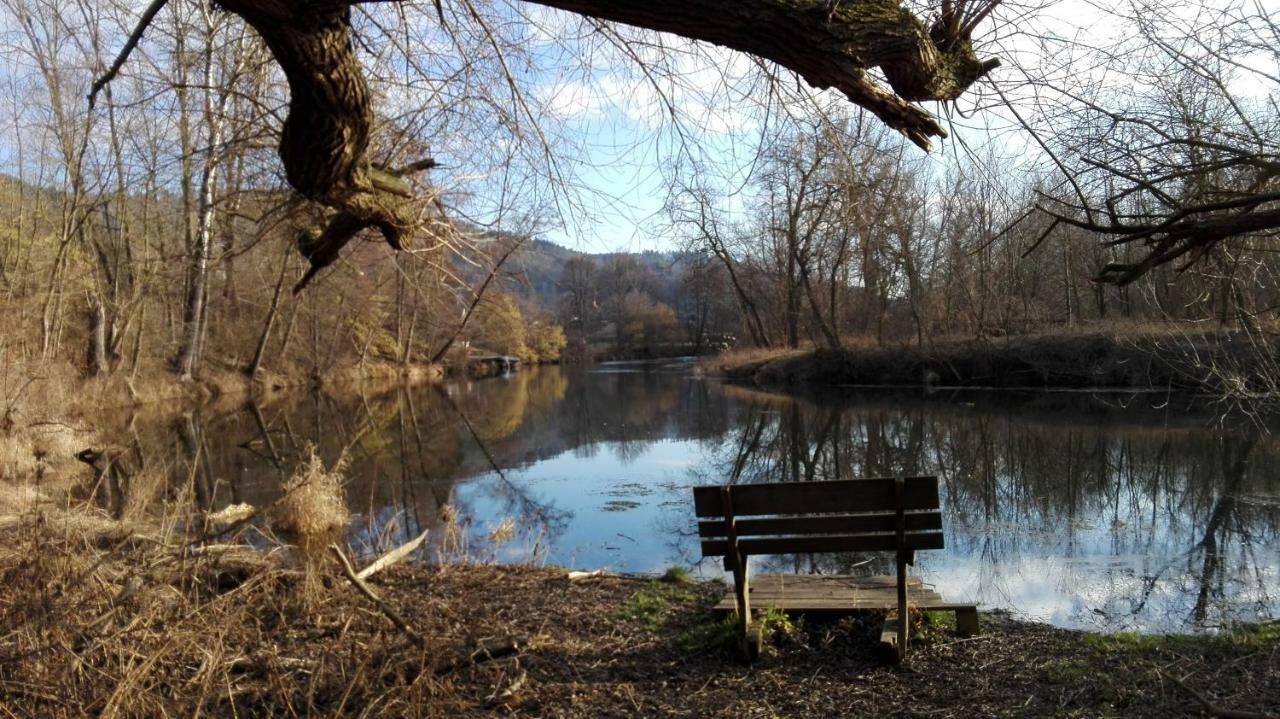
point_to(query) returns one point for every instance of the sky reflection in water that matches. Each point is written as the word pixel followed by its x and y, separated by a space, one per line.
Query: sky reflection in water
pixel 1062 509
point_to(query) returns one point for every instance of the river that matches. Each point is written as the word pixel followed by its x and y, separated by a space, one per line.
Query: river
pixel 1097 511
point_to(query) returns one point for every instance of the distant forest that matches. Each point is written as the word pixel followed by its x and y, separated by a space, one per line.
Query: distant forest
pixel 153 232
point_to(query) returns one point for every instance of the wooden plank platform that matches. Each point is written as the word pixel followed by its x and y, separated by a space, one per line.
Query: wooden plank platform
pixel 836 593
pixel 830 593
pixel 842 594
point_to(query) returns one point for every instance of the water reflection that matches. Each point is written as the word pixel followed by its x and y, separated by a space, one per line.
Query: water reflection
pixel 1062 509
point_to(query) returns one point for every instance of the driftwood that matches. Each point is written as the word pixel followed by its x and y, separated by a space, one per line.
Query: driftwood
pixel 393 556
pixel 485 650
pixel 372 596
pixel 576 576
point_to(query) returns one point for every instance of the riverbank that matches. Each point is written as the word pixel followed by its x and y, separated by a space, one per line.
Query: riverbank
pixel 1224 363
pixel 57 389
pixel 121 621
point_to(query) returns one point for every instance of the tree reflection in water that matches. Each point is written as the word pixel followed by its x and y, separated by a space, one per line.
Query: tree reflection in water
pixel 1064 509
pixel 1069 516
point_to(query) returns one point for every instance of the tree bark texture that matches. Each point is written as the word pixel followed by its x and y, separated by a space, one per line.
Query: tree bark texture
pixel 324 144
pixel 831 43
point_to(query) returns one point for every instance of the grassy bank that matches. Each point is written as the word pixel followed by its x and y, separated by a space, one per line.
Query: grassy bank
pixel 115 621
pixel 1230 363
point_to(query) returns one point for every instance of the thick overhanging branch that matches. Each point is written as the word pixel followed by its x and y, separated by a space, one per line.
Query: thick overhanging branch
pixel 830 43
pixel 1186 235
pixel 325 141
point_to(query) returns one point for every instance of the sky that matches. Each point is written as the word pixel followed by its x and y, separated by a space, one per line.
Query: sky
pixel 614 139
pixel 624 166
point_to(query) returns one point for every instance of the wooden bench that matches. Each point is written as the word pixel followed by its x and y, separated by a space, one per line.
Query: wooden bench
pixel 898 515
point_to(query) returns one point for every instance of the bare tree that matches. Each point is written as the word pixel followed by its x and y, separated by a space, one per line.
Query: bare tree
pixel 1183 159
pixel 327 143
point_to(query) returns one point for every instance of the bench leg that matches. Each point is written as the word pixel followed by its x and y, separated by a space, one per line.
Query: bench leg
pixel 967 621
pixel 749 639
pixel 751 643
pixel 904 614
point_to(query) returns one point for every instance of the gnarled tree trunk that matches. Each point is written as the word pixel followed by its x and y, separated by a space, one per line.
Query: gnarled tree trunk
pixel 326 137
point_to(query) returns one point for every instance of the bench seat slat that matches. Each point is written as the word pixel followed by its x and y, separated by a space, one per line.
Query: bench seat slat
pixel 824 543
pixel 847 495
pixel 821 524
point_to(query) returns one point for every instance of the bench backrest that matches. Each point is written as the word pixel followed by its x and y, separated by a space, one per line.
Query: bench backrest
pixel 854 515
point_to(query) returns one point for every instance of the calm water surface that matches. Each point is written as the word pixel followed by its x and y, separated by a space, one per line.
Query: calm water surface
pixel 1101 512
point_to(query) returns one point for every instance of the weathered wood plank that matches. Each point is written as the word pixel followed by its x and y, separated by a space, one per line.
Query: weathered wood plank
pixel 821 524
pixel 847 580
pixel 836 605
pixel 842 593
pixel 825 543
pixel 845 595
pixel 847 495
pixel 787 602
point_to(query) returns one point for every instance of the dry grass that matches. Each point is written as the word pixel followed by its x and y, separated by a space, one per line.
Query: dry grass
pixel 313 509
pixel 40 435
pixel 745 360
pixel 40 451
pixel 107 625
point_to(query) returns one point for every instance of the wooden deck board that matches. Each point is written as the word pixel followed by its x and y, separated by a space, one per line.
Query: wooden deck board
pixel 834 593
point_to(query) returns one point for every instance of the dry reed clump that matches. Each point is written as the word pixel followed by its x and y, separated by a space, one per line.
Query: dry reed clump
pixel 38 437
pixel 41 450
pixel 503 532
pixel 453 538
pixel 313 510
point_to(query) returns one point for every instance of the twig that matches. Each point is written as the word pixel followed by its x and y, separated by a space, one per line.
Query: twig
pixel 132 43
pixel 372 596
pixel 507 694
pixel 1216 710
pixel 484 651
pixel 393 556
pixel 475 302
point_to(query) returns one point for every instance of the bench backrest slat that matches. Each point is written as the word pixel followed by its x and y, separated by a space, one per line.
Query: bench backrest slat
pixel 843 496
pixel 855 515
pixel 834 543
pixel 820 524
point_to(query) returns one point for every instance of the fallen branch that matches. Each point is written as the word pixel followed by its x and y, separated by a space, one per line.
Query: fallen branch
pixel 1216 710
pixel 484 651
pixel 577 576
pixel 372 596
pixel 393 556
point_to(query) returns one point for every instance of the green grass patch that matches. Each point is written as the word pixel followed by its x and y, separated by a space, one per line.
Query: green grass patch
pixel 676 575
pixel 1133 643
pixel 650 605
pixel 777 625
pixel 1067 670
pixel 930 624
pixel 716 634
pixel 1264 633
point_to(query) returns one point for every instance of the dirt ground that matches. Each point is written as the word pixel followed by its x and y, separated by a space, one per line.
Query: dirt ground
pixel 128 626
